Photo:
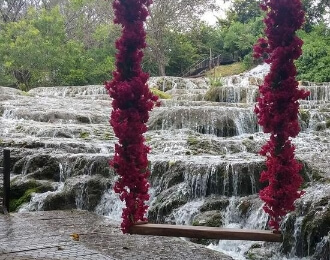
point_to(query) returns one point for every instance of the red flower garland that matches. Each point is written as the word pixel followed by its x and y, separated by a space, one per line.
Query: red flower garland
pixel 132 101
pixel 278 105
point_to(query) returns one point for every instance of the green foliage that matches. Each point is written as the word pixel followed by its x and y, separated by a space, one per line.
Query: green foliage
pixel 313 65
pixel 244 11
pixel 216 82
pixel 36 51
pixel 84 135
pixel 30 48
pixel 248 61
pixel 182 53
pixel 239 38
pixel 160 94
pixel 73 43
pixel 204 38
pixel 226 70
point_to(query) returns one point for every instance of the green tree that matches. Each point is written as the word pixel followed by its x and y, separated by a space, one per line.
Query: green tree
pixel 37 51
pixel 182 54
pixel 313 65
pixel 205 37
pixel 316 12
pixel 239 38
pixel 101 56
pixel 83 17
pixel 30 48
pixel 171 15
pixel 243 11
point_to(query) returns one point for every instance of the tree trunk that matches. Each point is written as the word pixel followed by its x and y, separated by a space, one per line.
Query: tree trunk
pixel 161 69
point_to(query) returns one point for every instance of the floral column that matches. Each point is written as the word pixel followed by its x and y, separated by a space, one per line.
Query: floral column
pixel 277 107
pixel 131 104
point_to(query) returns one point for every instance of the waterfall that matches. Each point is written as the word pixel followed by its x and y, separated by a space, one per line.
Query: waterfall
pixel 184 214
pixel 204 162
pixel 233 219
pixel 110 205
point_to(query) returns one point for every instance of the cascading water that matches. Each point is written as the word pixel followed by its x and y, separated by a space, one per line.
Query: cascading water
pixel 204 161
pixel 257 219
pixel 110 205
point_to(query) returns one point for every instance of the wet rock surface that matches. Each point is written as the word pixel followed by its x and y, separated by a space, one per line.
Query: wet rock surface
pixel 50 235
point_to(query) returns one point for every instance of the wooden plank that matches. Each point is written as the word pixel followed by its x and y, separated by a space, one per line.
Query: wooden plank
pixel 205 232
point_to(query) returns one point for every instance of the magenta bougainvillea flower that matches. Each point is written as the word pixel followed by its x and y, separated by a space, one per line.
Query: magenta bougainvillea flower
pixel 132 101
pixel 277 107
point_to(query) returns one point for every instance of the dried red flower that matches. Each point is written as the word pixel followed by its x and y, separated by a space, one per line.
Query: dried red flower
pixel 278 105
pixel 132 101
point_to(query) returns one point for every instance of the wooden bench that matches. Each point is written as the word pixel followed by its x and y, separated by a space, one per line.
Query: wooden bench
pixel 205 232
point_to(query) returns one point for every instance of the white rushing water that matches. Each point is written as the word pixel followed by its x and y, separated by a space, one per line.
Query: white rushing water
pixel 232 219
pixel 110 205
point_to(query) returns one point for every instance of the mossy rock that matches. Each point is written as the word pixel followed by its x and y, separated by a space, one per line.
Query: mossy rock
pixel 215 94
pixel 14 204
pixel 83 119
pixel 197 145
pixel 62 134
pixel 304 115
pixel 166 174
pixel 288 234
pixel 97 165
pixel 84 194
pixel 244 207
pixel 226 127
pixel 321 126
pixel 60 201
pixel 323 252
pixel 95 188
pixel 214 203
pixel 211 218
pixel 156 124
pixel 166 202
pixel 158 170
pixel 259 253
pixel 42 167
pixel 315 226
pixel 310 174
pixel 255 81
pixel 21 191
pixel 251 146
pixel 107 136
pixel 223 127
pixel 164 84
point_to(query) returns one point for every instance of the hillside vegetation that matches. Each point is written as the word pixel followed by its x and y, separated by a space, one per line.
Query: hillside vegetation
pixel 58 43
pixel 226 70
